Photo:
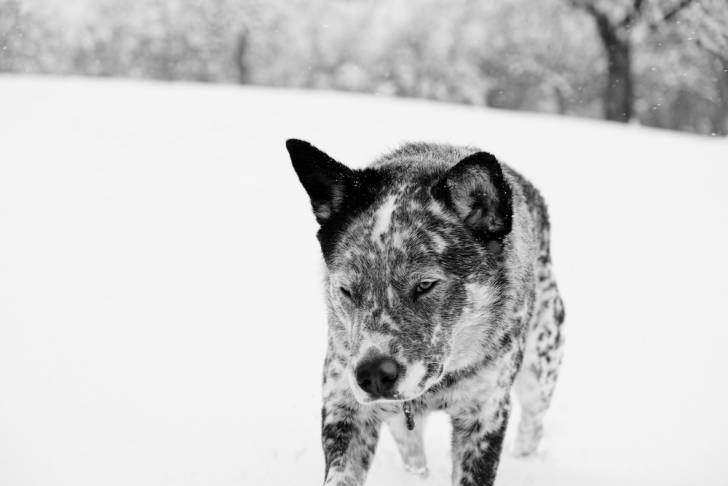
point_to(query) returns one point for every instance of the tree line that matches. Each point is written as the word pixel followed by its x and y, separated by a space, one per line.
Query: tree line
pixel 661 63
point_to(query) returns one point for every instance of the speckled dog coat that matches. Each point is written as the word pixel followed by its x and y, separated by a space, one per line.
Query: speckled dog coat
pixel 438 271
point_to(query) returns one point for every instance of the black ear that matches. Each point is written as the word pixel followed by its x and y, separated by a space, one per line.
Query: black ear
pixel 476 190
pixel 326 181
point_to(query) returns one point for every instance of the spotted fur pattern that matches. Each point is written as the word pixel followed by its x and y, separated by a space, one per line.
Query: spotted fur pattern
pixel 473 234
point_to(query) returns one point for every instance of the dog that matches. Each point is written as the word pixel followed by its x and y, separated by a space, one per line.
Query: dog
pixel 441 296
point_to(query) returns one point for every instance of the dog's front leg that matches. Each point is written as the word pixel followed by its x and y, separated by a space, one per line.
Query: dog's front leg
pixel 478 432
pixel 349 434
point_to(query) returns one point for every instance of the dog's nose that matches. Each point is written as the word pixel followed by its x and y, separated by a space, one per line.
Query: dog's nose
pixel 377 376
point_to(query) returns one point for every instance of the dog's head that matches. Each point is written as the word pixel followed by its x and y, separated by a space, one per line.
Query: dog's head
pixel 414 256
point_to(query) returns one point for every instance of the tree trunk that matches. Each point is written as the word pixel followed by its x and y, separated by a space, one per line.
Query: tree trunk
pixel 561 101
pixel 720 116
pixel 619 91
pixel 241 58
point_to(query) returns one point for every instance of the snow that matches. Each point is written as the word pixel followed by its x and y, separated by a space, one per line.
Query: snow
pixel 162 319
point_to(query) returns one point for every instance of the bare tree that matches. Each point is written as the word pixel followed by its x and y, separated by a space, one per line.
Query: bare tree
pixel 616 22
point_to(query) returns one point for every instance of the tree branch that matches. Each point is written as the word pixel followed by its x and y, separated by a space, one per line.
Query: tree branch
pixel 682 5
pixel 712 50
pixel 633 14
pixel 670 14
pixel 590 7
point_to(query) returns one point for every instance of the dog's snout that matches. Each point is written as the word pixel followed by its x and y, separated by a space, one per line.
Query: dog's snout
pixel 378 376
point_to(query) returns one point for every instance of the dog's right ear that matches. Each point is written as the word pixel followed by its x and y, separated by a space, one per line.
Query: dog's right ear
pixel 326 181
pixel 476 189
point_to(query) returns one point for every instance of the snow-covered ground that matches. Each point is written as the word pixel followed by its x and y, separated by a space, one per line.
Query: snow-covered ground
pixel 161 318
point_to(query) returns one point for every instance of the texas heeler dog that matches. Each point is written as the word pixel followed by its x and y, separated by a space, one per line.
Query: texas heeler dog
pixel 441 296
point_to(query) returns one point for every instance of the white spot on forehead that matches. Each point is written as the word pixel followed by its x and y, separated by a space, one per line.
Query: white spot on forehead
pixel 383 218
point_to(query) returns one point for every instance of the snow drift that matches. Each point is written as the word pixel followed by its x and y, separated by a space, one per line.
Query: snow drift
pixel 162 322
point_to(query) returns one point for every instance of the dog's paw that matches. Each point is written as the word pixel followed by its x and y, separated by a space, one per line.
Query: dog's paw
pixel 525 445
pixel 527 439
pixel 524 450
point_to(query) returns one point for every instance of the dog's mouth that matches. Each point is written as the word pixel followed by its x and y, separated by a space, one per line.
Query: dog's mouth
pixel 402 394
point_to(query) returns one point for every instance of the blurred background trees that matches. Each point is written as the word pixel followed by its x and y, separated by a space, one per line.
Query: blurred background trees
pixel 620 24
pixel 662 63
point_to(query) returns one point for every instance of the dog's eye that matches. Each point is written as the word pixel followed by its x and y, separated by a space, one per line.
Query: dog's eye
pixel 424 286
pixel 346 292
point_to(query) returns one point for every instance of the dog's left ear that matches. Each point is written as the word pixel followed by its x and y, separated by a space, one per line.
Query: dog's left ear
pixel 476 190
pixel 326 181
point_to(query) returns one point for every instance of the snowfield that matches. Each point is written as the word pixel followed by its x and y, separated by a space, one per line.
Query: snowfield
pixel 162 318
